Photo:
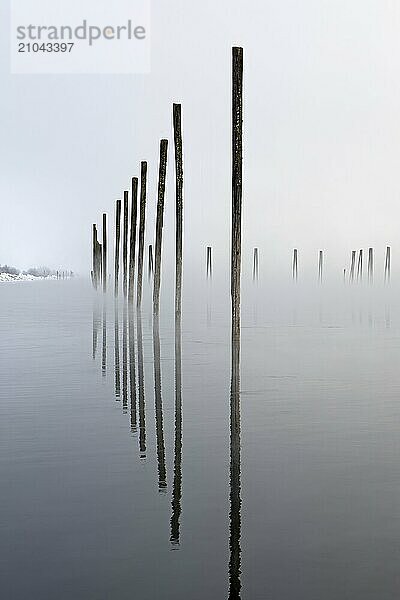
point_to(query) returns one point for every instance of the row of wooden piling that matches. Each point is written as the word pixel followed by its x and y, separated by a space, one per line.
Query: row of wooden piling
pixel 130 240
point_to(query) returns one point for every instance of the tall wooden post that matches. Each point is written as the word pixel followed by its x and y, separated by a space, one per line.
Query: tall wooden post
pixel 117 245
pixel 125 245
pixel 255 264
pixel 237 159
pixel 178 207
pixel 320 266
pixel 295 265
pixel 370 264
pixel 360 265
pixel 132 251
pixel 104 265
pixel 142 224
pixel 159 225
pixel 387 264
pixel 94 251
pixel 151 262
pixel 209 262
pixel 352 265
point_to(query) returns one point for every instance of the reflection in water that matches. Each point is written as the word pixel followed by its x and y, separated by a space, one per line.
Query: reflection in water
pixel 104 349
pixel 177 485
pixel 142 413
pixel 234 476
pixel 96 329
pixel 162 472
pixel 116 355
pixel 125 359
pixel 132 370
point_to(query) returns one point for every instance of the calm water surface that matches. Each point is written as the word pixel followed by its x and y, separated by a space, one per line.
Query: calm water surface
pixel 130 469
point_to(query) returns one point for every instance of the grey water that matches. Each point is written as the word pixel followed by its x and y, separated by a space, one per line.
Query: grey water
pixel 136 463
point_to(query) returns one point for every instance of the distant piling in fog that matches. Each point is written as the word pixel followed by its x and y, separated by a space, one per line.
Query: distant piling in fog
pixel 320 265
pixel 94 257
pixel 370 264
pixel 237 160
pixel 132 241
pixel 159 225
pixel 255 264
pixel 209 263
pixel 142 224
pixel 360 265
pixel 151 263
pixel 125 244
pixel 104 264
pixel 177 123
pixel 295 266
pixel 387 264
pixel 352 265
pixel 117 245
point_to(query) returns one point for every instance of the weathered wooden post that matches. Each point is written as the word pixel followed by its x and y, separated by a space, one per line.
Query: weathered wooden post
pixel 159 225
pixel 94 250
pixel 117 245
pixel 142 407
pixel 142 223
pixel 209 262
pixel 104 264
pixel 295 265
pixel 353 265
pixel 151 263
pixel 177 483
pixel 177 122
pixel 320 265
pixel 132 251
pixel 360 265
pixel 237 159
pixel 387 264
pixel 255 264
pixel 370 264
pixel 125 245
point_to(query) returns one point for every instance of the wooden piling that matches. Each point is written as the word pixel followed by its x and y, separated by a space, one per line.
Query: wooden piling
pixel 320 265
pixel 352 265
pixel 125 245
pixel 370 264
pixel 387 264
pixel 151 262
pixel 360 265
pixel 209 263
pixel 255 264
pixel 295 265
pixel 177 123
pixel 142 224
pixel 117 245
pixel 159 225
pixel 104 263
pixel 132 250
pixel 237 159
pixel 94 250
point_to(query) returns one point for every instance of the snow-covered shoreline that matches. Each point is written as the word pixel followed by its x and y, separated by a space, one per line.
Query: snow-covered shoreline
pixel 8 278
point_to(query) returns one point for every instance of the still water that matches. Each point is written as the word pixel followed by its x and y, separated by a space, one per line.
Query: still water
pixel 135 465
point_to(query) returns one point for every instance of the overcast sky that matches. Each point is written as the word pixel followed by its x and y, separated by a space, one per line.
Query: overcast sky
pixel 322 134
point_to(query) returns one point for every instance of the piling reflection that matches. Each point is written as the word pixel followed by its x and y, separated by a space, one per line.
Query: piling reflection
pixel 96 329
pixel 234 476
pixel 104 342
pixel 116 355
pixel 177 485
pixel 132 370
pixel 125 358
pixel 162 471
pixel 142 407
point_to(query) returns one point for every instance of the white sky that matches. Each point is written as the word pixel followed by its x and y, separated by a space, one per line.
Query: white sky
pixel 322 134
